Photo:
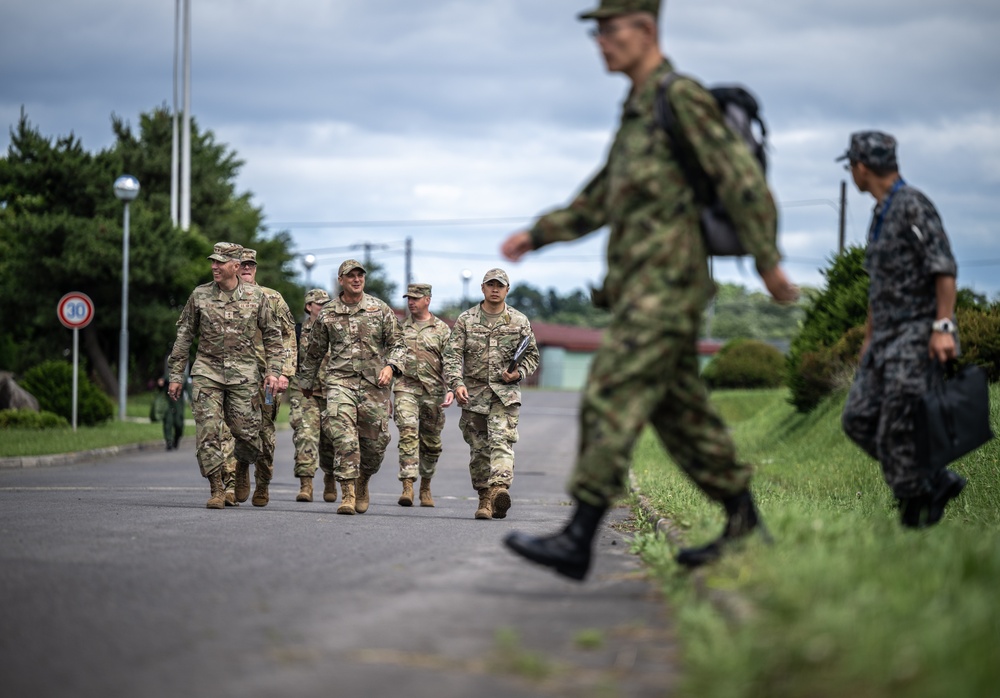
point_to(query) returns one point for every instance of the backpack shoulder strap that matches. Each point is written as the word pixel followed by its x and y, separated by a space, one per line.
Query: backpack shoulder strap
pixel 663 113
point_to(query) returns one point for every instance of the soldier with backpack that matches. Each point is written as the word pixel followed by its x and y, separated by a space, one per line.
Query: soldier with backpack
pixel 657 287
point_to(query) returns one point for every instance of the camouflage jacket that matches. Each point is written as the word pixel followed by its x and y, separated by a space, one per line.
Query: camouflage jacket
pixel 226 330
pixel 910 249
pixel 361 340
pixel 286 321
pixel 477 354
pixel 303 344
pixel 655 247
pixel 423 367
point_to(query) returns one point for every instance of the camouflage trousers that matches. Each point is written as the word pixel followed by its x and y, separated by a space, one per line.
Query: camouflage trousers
pixel 491 438
pixel 224 414
pixel 264 463
pixel 355 423
pixel 307 434
pixel 879 417
pixel 646 372
pixel 420 420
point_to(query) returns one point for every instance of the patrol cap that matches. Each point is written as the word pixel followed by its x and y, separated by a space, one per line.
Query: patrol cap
pixel 317 295
pixel 349 265
pixel 249 255
pixel 873 149
pixel 226 252
pixel 497 275
pixel 613 8
pixel 418 291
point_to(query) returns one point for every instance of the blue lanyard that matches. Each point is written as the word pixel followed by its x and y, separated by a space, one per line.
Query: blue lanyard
pixel 885 207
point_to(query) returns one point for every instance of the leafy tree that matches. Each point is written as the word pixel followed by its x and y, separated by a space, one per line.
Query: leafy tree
pixel 61 230
pixel 739 313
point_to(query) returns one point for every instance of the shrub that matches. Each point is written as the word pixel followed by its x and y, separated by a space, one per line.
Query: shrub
pixel 746 363
pixel 29 419
pixel 979 335
pixel 52 383
pixel 841 306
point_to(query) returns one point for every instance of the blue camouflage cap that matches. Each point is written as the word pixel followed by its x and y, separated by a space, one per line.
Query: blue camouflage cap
pixel 873 149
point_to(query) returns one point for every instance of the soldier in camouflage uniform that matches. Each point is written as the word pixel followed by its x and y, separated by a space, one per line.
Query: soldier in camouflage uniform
pixel 420 395
pixel 365 346
pixel 235 475
pixel 482 344
pixel 304 415
pixel 911 306
pixel 657 286
pixel 226 316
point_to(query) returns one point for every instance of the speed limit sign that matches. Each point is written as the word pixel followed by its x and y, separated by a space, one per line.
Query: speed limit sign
pixel 75 310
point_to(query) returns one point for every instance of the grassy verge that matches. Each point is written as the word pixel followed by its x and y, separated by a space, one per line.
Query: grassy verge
pixel 19 443
pixel 846 602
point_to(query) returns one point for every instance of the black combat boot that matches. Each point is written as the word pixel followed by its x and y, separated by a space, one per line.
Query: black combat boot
pixel 927 509
pixel 743 518
pixel 567 552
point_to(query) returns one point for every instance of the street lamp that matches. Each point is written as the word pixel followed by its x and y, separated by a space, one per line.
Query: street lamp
pixel 126 189
pixel 309 261
pixel 466 275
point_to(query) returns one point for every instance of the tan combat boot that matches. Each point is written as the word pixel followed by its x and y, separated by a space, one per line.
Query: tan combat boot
pixel 218 498
pixel 485 510
pixel 347 505
pixel 406 499
pixel 329 488
pixel 242 481
pixel 501 501
pixel 231 499
pixel 425 492
pixel 361 493
pixel 260 494
pixel 305 489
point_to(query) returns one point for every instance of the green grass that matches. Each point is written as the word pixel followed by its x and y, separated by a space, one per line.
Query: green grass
pixel 15 443
pixel 846 602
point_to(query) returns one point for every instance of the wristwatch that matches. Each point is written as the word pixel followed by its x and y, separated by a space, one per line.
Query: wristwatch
pixel 944 325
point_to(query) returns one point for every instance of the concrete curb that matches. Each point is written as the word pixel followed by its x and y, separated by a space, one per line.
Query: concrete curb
pixel 76 457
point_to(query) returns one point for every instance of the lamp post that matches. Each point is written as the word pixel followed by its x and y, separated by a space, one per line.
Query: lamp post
pixel 309 261
pixel 466 275
pixel 126 189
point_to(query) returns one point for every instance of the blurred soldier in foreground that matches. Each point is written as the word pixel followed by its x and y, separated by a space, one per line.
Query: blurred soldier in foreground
pixel 365 346
pixel 304 416
pixel 477 366
pixel 420 395
pixel 225 316
pixel 657 287
pixel 911 310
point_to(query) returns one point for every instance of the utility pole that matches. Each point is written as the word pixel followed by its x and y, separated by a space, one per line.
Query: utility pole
pixel 843 213
pixel 186 125
pixel 409 262
pixel 174 148
pixel 368 246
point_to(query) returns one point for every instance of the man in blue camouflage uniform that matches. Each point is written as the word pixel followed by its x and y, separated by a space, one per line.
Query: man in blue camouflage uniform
pixel 657 286
pixel 911 306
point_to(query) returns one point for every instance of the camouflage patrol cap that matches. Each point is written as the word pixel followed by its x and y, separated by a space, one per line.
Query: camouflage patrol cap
pixel 226 252
pixel 349 265
pixel 872 149
pixel 418 291
pixel 613 8
pixel 317 295
pixel 497 275
pixel 249 255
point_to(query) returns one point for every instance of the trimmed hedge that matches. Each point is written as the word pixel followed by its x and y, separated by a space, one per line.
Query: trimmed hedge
pixel 29 419
pixel 746 363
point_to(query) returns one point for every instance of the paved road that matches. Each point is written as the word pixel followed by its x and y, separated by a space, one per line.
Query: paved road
pixel 115 580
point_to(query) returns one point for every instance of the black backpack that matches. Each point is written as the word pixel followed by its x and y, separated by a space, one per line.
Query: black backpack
pixel 740 111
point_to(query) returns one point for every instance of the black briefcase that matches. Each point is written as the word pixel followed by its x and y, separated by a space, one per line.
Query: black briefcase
pixel 953 417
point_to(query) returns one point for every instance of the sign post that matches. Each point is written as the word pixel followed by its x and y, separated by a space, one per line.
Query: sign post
pixel 75 311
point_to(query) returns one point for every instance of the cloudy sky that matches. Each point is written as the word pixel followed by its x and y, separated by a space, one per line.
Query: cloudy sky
pixel 455 122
